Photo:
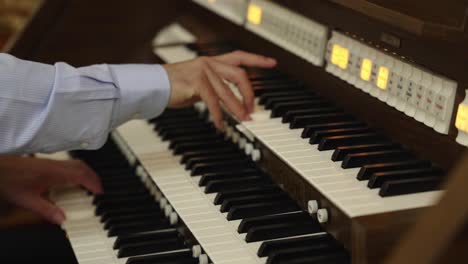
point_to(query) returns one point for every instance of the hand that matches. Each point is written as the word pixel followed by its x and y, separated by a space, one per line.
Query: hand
pixel 203 78
pixel 24 181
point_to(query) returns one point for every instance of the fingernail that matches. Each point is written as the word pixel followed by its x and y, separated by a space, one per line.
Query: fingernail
pixel 58 218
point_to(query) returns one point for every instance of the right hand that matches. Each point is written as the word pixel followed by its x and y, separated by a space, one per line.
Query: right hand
pixel 202 78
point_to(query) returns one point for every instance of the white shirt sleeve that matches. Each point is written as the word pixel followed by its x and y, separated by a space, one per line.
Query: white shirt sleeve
pixel 48 108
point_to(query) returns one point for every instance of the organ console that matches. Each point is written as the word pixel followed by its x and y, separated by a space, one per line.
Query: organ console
pixel 351 139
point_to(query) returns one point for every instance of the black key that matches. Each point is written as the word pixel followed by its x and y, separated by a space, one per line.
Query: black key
pixel 176 122
pixel 168 135
pixel 148 247
pixel 407 186
pixel 267 98
pixel 271 101
pixel 122 174
pixel 257 198
pixel 377 179
pixel 208 177
pixel 355 160
pixel 145 236
pixel 329 143
pixel 135 227
pixel 182 256
pixel 110 182
pixel 260 90
pixel 302 121
pixel 235 184
pixel 309 130
pixel 291 115
pixel 320 134
pixel 210 167
pixel 227 149
pixel 339 257
pixel 109 196
pixel 137 209
pixel 195 138
pixel 219 199
pixel 280 109
pixel 153 216
pixel 341 152
pixel 269 83
pixel 269 247
pixel 311 252
pixel 273 95
pixel 130 202
pixel 267 86
pixel 259 209
pixel 171 113
pixel 266 232
pixel 181 148
pixel 248 223
pixel 213 159
pixel 183 125
pixel 367 170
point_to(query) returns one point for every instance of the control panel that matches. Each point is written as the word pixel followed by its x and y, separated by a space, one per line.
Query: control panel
pixel 287 29
pixel 233 10
pixel 413 90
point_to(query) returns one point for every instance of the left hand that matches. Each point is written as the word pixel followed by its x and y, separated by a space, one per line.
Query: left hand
pixel 24 182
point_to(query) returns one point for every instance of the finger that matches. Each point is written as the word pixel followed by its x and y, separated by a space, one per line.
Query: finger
pixel 45 208
pixel 239 77
pixel 75 172
pixel 211 100
pixel 225 94
pixel 239 57
pixel 85 176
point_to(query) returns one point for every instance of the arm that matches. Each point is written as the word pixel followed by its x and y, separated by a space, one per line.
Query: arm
pixel 45 108
pixel 48 108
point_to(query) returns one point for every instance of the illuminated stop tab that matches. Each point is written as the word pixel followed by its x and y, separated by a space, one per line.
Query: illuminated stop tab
pixel 366 69
pixel 254 14
pixel 462 118
pixel 340 56
pixel 382 78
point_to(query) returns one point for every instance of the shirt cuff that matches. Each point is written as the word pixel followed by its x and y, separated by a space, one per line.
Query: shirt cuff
pixel 144 91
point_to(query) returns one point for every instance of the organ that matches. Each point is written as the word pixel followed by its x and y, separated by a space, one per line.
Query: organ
pixel 351 139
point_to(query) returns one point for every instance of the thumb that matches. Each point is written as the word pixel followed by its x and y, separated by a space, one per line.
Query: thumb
pixel 43 207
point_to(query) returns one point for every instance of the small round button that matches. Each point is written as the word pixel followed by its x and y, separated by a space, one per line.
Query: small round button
pixel 162 202
pixel 248 148
pixel 312 206
pixel 139 171
pixel 228 131
pixel 235 137
pixel 242 142
pixel 322 215
pixel 84 145
pixel 256 155
pixel 132 160
pixel 173 218
pixel 196 251
pixel 168 210
pixel 203 259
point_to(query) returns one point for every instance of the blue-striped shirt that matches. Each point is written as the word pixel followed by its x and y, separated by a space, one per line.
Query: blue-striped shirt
pixel 48 108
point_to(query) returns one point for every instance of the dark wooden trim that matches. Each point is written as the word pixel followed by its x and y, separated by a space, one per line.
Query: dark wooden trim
pixel 37 28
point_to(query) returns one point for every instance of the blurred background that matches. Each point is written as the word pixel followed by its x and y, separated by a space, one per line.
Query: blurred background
pixel 14 14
